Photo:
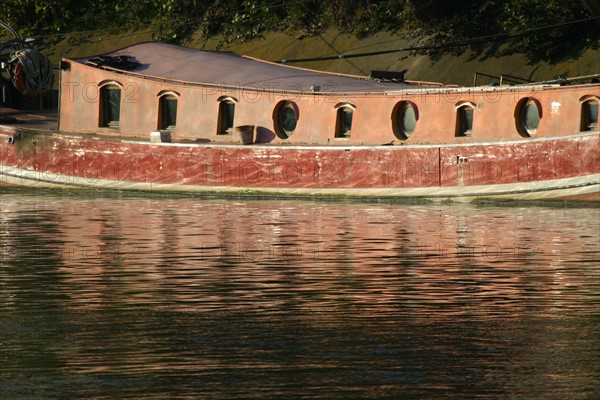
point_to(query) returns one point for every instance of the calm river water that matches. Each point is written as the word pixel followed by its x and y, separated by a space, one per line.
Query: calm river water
pixel 181 298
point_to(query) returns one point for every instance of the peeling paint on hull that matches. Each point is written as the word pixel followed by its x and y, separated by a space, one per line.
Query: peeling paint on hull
pixel 566 168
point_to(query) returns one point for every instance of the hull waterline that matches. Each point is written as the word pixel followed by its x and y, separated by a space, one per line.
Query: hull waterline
pixel 534 170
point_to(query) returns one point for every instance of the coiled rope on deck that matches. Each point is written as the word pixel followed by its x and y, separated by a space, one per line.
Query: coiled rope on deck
pixel 37 71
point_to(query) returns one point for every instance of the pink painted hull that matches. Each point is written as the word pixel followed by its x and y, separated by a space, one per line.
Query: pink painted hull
pixel 565 168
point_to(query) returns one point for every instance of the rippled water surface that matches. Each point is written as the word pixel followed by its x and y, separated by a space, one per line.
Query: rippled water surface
pixel 180 298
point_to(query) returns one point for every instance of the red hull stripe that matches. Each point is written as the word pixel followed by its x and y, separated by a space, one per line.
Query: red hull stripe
pixel 551 168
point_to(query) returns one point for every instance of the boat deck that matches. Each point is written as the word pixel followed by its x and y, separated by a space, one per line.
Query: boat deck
pixel 44 120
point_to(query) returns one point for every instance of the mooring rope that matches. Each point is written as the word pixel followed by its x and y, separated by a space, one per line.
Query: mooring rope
pixel 37 71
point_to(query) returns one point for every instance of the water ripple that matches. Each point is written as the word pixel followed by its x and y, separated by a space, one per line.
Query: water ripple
pixel 185 298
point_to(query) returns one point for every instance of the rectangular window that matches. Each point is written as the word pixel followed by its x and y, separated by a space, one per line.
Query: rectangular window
pixel 168 112
pixel 226 114
pixel 465 121
pixel 344 122
pixel 111 106
pixel 589 120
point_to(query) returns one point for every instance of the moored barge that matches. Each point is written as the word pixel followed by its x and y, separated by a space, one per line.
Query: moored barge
pixel 160 117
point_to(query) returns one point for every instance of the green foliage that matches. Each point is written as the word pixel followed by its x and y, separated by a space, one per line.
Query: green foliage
pixel 377 16
pixel 432 22
pixel 454 21
pixel 249 21
pixel 37 16
pixel 553 45
pixel 302 15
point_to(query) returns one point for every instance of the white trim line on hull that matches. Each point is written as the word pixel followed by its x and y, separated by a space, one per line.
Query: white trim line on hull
pixel 539 190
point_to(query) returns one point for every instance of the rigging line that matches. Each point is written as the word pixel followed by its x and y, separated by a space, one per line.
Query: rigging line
pixel 490 38
pixel 135 33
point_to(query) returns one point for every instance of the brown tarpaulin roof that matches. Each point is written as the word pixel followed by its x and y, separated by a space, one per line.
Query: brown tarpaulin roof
pixel 223 68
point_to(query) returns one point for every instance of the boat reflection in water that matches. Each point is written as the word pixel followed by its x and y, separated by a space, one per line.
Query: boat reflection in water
pixel 185 298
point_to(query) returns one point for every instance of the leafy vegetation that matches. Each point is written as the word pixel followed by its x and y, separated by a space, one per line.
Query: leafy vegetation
pixel 431 22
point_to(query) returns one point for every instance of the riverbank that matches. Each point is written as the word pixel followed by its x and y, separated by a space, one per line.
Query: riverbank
pixel 450 68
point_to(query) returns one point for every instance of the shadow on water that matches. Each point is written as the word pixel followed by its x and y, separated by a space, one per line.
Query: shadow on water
pixel 185 298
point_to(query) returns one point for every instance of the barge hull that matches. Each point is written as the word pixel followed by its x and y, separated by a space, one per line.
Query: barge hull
pixel 566 168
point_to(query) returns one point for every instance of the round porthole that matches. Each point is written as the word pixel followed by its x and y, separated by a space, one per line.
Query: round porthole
pixel 404 119
pixel 285 118
pixel 531 117
pixel 528 115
